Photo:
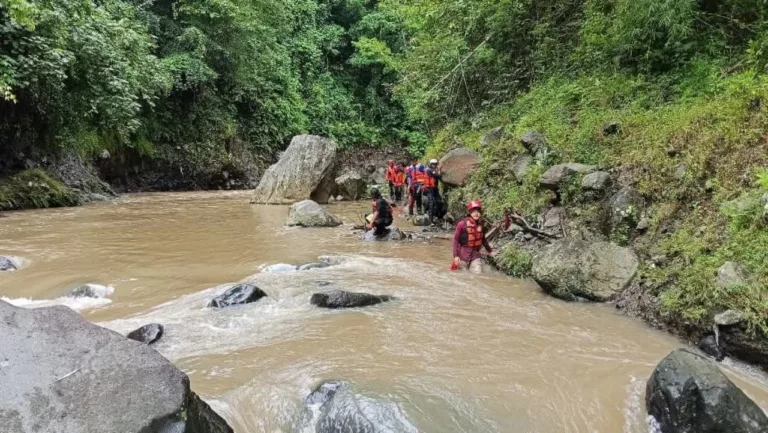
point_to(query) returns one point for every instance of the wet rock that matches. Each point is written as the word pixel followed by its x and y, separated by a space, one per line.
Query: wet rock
pixel 307 213
pixel 333 407
pixel 573 268
pixel 393 234
pixel 729 318
pixel 731 274
pixel 458 165
pixel 352 185
pixel 492 137
pixel 341 299
pixel 92 291
pixel 534 143
pixel 90 380
pixel 597 181
pixel 238 295
pixel 688 394
pixel 7 264
pixel 557 174
pixel 708 344
pixel 519 166
pixel 421 220
pixel 147 334
pixel 737 342
pixel 305 171
pixel 611 128
pixel 309 266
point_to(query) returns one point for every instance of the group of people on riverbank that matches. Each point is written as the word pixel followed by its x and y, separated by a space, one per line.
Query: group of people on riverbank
pixel 469 239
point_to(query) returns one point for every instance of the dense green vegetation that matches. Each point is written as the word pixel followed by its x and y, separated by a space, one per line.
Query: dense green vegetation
pixel 200 83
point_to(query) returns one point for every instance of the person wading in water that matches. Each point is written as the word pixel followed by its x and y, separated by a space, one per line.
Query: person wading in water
pixel 469 239
pixel 382 214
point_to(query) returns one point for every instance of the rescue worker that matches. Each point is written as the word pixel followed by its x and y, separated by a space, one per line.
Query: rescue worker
pixel 417 183
pixel 469 239
pixel 432 188
pixel 399 182
pixel 391 174
pixel 381 218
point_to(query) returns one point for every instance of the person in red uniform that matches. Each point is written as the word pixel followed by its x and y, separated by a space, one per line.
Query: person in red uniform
pixel 391 175
pixel 469 239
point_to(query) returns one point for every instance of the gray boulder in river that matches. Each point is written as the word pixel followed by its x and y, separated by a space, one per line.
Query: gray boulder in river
pixel 342 299
pixel 393 234
pixel 307 213
pixel 688 394
pixel 147 334
pixel 237 295
pixel 351 184
pixel 305 171
pixel 6 264
pixel 333 407
pixel 573 268
pixel 61 373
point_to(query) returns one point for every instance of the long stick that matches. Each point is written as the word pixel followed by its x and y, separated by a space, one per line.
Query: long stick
pixel 460 63
pixel 527 227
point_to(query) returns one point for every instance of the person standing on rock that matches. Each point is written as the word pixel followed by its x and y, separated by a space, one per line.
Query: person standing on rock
pixel 469 240
pixel 382 214
pixel 432 189
pixel 391 175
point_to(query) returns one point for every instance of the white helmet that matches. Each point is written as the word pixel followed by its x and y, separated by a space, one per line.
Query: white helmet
pixel 433 161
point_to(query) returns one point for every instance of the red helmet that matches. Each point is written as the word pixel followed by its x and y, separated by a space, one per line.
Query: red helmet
pixel 474 204
pixel 391 161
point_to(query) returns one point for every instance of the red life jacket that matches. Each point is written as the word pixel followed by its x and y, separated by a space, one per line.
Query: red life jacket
pixel 391 173
pixel 475 233
pixel 419 177
pixel 399 178
pixel 429 181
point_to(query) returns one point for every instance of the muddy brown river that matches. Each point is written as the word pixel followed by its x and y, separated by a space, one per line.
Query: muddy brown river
pixel 454 353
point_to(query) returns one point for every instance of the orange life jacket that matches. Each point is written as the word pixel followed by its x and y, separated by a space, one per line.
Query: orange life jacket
pixel 391 174
pixel 399 178
pixel 429 181
pixel 475 233
pixel 419 177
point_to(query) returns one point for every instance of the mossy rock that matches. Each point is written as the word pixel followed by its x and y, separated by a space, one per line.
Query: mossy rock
pixel 32 189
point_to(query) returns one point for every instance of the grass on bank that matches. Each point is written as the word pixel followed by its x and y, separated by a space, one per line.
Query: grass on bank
pixel 690 142
pixel 31 189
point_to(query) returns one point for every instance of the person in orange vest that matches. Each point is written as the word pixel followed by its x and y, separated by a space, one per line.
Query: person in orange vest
pixel 417 183
pixel 469 240
pixel 398 182
pixel 391 174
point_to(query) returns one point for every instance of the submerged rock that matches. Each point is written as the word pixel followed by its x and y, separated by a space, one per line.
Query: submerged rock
pixel 333 407
pixel 421 220
pixel 304 171
pixel 237 295
pixel 92 291
pixel 574 268
pixel 341 299
pixel 708 344
pixel 62 373
pixel 352 184
pixel 309 266
pixel 458 164
pixel 147 334
pixel 307 213
pixel 7 264
pixel 393 234
pixel 689 394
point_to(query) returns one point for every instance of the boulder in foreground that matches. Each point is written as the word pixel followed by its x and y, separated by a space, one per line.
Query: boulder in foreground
pixel 147 334
pixel 688 394
pixel 237 295
pixel 307 213
pixel 341 299
pixel 63 374
pixel 305 171
pixel 573 268
pixel 458 165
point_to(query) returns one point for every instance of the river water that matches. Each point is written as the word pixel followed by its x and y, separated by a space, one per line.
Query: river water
pixel 454 353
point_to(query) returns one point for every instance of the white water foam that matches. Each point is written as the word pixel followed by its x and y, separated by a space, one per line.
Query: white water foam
pixel 18 261
pixel 76 303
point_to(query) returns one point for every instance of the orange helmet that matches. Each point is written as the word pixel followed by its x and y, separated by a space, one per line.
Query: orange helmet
pixel 474 204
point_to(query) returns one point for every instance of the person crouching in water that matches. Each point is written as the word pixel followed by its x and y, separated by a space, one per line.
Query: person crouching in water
pixel 382 214
pixel 469 239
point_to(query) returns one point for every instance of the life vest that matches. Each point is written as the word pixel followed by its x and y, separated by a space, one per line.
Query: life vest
pixel 429 181
pixel 474 234
pixel 419 177
pixel 398 179
pixel 391 173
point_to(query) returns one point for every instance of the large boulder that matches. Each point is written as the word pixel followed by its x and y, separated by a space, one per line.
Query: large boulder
pixel 689 394
pixel 7 264
pixel 458 164
pixel 333 407
pixel 557 174
pixel 61 373
pixel 341 299
pixel 305 171
pixel 351 184
pixel 573 268
pixel 237 295
pixel 307 213
pixel 147 334
pixel 737 341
